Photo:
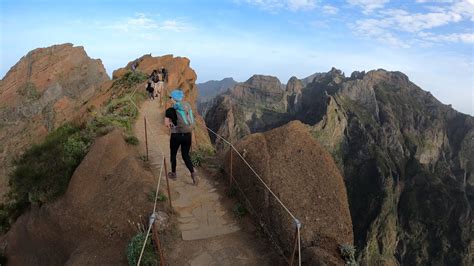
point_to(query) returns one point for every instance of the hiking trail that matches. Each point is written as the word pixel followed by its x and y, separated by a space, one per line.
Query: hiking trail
pixel 210 233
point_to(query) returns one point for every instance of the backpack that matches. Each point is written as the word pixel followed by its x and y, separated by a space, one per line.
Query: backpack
pixel 149 87
pixel 185 118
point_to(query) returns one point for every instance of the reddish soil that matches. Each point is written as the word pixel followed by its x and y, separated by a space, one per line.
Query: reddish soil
pixel 89 225
pixel 304 176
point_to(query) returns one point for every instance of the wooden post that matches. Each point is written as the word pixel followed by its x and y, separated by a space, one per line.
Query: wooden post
pixel 158 244
pixel 294 249
pixel 167 182
pixel 146 139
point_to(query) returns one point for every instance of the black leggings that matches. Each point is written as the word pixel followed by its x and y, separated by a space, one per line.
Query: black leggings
pixel 183 139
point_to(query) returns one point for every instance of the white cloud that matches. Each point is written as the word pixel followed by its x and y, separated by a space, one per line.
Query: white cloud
pixel 175 25
pixel 141 23
pixel 368 5
pixel 301 4
pixel 434 1
pixel 275 5
pixel 415 22
pixel 453 37
pixel 389 25
pixel 377 29
pixel 332 10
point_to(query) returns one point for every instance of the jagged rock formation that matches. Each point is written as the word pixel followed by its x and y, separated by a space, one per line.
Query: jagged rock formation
pixel 407 159
pixel 90 223
pixel 43 90
pixel 252 106
pixel 303 174
pixel 210 89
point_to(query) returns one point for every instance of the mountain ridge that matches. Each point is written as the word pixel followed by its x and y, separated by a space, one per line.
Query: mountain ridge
pixel 383 131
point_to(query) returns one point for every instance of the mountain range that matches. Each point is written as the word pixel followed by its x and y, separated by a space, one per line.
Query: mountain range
pixel 406 158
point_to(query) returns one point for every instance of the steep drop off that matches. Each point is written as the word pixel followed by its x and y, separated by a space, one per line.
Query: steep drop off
pixel 406 157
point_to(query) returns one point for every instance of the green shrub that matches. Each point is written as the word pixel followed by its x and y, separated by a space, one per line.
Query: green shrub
pixel 161 197
pixel 196 158
pixel 130 79
pixel 43 172
pixel 240 210
pixel 131 140
pixel 348 254
pixel 199 155
pixel 232 192
pixel 134 248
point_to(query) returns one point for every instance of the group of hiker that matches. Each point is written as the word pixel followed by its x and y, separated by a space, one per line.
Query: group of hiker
pixel 156 84
pixel 179 118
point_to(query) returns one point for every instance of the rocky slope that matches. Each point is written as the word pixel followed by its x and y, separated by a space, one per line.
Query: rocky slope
pixel 304 176
pixel 43 90
pixel 90 224
pixel 406 158
pixel 208 90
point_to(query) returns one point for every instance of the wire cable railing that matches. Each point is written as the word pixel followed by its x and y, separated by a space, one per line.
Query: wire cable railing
pixel 153 216
pixel 296 221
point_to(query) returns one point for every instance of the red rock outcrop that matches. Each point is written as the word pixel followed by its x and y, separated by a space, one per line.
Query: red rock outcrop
pixel 304 176
pixel 43 90
pixel 180 75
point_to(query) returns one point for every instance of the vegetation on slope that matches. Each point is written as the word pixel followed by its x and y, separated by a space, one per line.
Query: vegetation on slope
pixel 43 172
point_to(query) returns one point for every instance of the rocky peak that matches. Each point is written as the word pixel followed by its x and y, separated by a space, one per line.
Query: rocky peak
pixel 309 79
pixel 406 159
pixel 43 90
pixel 265 83
pixel 294 85
pixel 357 75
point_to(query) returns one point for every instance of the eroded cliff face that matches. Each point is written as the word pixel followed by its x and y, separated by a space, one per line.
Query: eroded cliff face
pixel 43 90
pixel 406 158
pixel 252 106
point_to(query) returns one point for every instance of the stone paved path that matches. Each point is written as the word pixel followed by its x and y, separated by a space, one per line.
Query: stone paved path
pixel 210 232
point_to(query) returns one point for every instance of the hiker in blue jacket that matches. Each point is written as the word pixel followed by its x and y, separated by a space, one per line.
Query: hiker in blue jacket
pixel 180 119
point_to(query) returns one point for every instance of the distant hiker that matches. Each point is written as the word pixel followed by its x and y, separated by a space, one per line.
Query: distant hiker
pixel 134 65
pixel 180 119
pixel 165 74
pixel 150 89
pixel 159 87
pixel 154 76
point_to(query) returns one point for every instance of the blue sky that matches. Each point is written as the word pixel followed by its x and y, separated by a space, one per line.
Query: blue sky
pixel 431 41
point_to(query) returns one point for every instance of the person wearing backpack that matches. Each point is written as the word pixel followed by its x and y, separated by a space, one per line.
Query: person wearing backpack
pixel 180 119
pixel 165 74
pixel 150 89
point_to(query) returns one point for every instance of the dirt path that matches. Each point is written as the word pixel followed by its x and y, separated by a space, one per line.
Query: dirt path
pixel 210 232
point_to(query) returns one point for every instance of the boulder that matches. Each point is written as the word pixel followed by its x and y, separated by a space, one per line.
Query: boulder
pixel 304 176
